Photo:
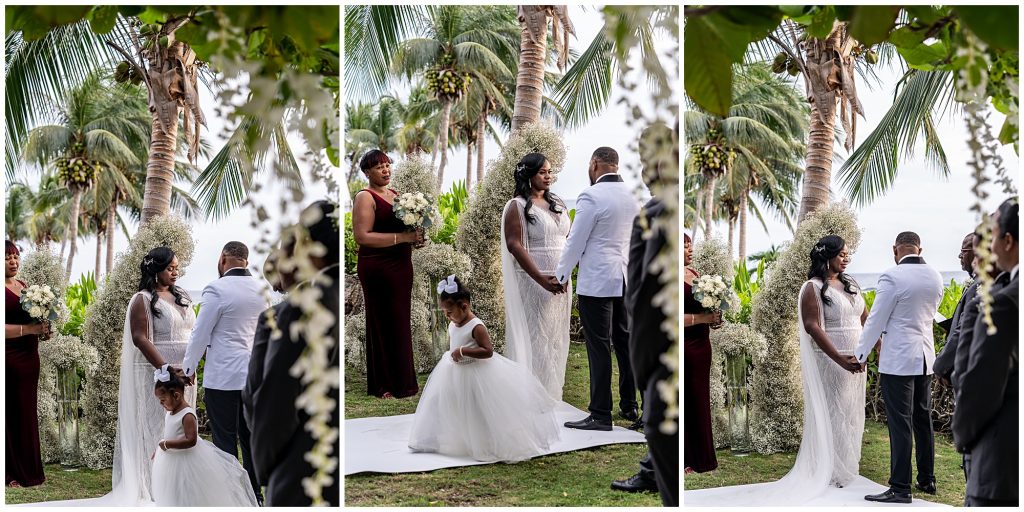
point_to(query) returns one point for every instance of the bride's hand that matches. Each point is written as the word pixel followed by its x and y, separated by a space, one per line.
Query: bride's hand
pixel 850 363
pixel 551 284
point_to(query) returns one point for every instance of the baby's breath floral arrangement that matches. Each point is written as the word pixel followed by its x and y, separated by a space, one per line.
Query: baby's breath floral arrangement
pixel 355 342
pixel 431 264
pixel 44 268
pixel 60 352
pixel 711 258
pixel 730 340
pixel 104 326
pixel 776 391
pixel 479 234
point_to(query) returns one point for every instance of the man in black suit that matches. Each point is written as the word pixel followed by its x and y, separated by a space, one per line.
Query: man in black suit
pixel 659 469
pixel 280 440
pixel 943 366
pixel 986 424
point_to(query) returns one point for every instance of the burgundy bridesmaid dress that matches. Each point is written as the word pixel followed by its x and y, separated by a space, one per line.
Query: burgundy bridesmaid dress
pixel 698 441
pixel 386 277
pixel 24 461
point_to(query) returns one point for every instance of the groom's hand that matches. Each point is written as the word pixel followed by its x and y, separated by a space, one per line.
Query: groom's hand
pixel 190 380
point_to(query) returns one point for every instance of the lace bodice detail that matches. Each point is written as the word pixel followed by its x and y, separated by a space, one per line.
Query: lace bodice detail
pixel 842 316
pixel 545 237
pixel 173 428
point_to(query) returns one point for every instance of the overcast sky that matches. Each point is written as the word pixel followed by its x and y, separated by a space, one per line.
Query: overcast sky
pixel 920 200
pixel 607 129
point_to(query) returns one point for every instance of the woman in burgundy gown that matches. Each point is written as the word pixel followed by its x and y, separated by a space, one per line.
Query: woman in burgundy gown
pixel 698 442
pixel 24 464
pixel 385 273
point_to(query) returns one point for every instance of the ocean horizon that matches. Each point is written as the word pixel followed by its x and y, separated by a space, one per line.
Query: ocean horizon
pixel 869 280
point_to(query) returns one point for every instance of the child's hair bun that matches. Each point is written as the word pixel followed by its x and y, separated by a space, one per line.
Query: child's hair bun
pixel 166 378
pixel 451 288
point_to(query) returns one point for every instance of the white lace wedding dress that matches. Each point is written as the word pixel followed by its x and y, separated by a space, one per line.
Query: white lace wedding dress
pixel 536 320
pixel 834 400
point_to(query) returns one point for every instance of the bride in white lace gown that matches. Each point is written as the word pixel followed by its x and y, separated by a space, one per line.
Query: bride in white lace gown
pixel 537 308
pixel 149 341
pixel 831 315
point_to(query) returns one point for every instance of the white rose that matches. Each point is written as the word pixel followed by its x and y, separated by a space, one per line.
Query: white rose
pixel 36 312
pixel 408 219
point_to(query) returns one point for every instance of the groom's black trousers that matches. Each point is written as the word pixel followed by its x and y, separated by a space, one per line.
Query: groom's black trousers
pixel 908 411
pixel 606 326
pixel 230 429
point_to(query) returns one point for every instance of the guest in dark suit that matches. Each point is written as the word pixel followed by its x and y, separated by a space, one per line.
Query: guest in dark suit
pixel 279 438
pixel 659 469
pixel 943 366
pixel 986 424
pixel 968 317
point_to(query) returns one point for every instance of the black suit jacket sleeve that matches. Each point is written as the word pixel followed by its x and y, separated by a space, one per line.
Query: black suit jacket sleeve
pixel 254 379
pixel 944 362
pixel 647 340
pixel 992 358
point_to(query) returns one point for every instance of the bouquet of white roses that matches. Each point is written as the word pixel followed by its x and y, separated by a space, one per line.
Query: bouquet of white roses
pixel 415 210
pixel 713 293
pixel 41 303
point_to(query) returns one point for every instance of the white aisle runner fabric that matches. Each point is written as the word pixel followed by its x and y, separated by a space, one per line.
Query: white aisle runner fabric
pixel 849 496
pixel 381 445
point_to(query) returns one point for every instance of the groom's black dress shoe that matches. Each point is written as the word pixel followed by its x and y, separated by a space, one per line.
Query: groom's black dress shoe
pixel 928 488
pixel 890 496
pixel 635 483
pixel 630 415
pixel 589 423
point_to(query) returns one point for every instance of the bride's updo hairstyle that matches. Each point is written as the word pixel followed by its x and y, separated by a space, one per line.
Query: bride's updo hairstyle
pixel 461 294
pixel 825 250
pixel 156 261
pixel 526 169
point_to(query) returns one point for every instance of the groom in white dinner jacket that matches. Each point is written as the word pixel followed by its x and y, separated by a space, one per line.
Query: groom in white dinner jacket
pixel 906 300
pixel 599 243
pixel 224 332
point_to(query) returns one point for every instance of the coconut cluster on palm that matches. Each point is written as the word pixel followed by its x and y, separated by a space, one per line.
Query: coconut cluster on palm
pixel 444 81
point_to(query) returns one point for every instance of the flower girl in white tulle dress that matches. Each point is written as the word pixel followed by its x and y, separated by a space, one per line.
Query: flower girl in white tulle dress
pixel 189 471
pixel 477 403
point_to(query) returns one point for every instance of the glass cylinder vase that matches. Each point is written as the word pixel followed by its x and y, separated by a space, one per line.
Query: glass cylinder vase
pixel 737 372
pixel 69 387
pixel 438 326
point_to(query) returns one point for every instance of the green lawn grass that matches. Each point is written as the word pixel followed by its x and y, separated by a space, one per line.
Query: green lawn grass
pixel 580 478
pixel 874 465
pixel 63 485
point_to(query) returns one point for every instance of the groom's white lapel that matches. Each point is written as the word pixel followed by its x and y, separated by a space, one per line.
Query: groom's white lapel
pixel 906 299
pixel 599 238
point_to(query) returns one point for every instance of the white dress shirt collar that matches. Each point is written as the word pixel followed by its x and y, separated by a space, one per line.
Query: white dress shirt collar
pixel 233 268
pixel 603 175
pixel 1013 271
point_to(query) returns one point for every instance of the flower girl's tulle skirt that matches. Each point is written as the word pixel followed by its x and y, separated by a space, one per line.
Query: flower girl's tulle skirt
pixel 488 409
pixel 201 476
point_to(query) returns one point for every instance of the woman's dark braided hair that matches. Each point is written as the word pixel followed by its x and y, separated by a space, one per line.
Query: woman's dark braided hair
pixel 827 248
pixel 526 169
pixel 156 261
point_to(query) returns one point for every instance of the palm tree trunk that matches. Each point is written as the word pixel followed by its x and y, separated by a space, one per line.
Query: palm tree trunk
pixel 99 252
pixel 533 20
pixel 156 200
pixel 818 176
pixel 743 225
pixel 709 207
pixel 111 217
pixel 64 244
pixel 442 142
pixel 732 231
pixel 481 124
pixel 698 220
pixel 76 202
pixel 469 164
